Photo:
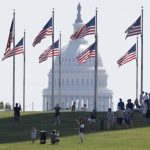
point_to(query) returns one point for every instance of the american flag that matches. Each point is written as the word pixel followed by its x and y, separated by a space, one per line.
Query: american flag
pixel 130 55
pixel 87 29
pixel 135 28
pixel 10 39
pixel 18 50
pixel 46 31
pixel 88 53
pixel 49 52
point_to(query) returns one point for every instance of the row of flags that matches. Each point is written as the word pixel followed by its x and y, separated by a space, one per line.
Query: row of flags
pixel 53 50
pixel 134 29
pixel 87 29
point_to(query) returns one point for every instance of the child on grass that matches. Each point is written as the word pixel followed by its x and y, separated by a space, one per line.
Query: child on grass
pixel 33 133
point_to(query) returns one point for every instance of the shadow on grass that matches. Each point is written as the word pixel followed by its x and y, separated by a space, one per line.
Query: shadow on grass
pixel 12 131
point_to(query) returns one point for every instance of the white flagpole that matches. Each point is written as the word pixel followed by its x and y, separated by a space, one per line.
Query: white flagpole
pixel 96 64
pixel 137 68
pixel 24 71
pixel 141 56
pixel 60 68
pixel 13 58
pixel 53 59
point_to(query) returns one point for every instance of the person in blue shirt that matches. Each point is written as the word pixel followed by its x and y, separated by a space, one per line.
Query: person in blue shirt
pixel 121 104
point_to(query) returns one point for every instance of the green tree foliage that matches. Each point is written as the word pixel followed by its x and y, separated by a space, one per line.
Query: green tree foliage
pixel 1 105
pixel 7 106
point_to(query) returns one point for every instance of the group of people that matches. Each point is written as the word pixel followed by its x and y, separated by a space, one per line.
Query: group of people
pixel 111 120
pixel 145 102
pixel 54 135
pixel 123 115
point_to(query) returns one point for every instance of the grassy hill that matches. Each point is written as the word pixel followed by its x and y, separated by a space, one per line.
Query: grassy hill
pixel 16 135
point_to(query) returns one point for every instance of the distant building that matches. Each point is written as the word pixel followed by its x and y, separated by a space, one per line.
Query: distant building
pixel 77 81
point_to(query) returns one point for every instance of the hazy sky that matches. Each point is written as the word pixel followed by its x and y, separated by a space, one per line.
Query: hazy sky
pixel 114 17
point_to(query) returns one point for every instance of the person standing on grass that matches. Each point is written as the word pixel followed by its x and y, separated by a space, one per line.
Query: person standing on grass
pixel 17 109
pixel 110 117
pixel 33 133
pixel 130 106
pixel 119 115
pixel 120 104
pixel 128 117
pixel 57 114
pixel 81 129
pixel 73 108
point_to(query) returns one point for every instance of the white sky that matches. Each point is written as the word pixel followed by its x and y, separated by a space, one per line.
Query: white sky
pixel 114 17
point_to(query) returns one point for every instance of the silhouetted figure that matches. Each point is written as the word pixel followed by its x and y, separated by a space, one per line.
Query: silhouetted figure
pixel 73 108
pixel 136 102
pixel 102 120
pixel 57 114
pixel 17 109
pixel 130 106
pixel 121 104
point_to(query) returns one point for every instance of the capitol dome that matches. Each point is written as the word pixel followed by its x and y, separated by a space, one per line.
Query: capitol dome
pixel 75 83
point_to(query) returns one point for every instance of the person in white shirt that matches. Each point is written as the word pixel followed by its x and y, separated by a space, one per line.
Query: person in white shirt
pixel 110 117
pixel 33 133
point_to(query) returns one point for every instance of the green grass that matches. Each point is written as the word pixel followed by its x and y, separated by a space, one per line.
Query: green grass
pixel 16 136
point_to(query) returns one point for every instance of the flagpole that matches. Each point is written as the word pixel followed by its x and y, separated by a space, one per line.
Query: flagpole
pixel 137 68
pixel 141 53
pixel 24 71
pixel 96 65
pixel 13 58
pixel 53 59
pixel 60 68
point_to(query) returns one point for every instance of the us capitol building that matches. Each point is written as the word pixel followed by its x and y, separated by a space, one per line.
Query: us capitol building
pixel 77 80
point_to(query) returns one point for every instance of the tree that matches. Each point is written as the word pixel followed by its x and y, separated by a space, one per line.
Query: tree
pixel 7 106
pixel 1 105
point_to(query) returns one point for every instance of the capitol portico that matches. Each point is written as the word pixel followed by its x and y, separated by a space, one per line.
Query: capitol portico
pixel 77 80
